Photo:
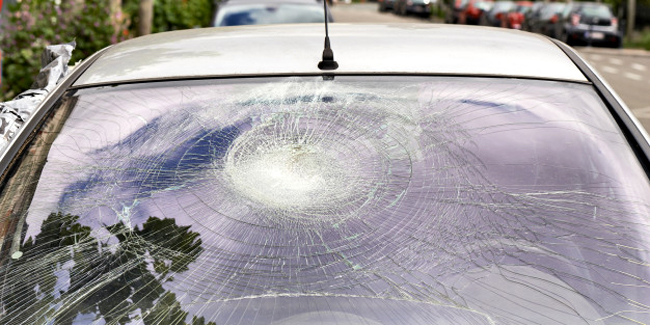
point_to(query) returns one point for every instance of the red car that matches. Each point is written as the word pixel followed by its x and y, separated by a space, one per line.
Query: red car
pixel 474 10
pixel 515 18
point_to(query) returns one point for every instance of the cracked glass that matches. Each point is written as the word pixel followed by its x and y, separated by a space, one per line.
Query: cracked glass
pixel 362 200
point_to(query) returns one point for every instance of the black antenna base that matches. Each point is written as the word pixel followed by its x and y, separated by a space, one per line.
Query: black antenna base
pixel 328 62
pixel 328 65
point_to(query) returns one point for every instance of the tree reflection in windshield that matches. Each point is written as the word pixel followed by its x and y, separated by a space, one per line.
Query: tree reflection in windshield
pixel 114 281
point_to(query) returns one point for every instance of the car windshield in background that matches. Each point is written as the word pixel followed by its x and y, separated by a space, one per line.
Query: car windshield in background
pixel 599 11
pixel 502 6
pixel 360 200
pixel 484 5
pixel 523 9
pixel 265 14
pixel 552 9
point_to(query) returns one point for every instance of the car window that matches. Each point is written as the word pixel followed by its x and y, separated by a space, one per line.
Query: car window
pixel 484 5
pixel 501 6
pixel 596 11
pixel 523 9
pixel 265 14
pixel 360 200
pixel 551 10
pixel 568 9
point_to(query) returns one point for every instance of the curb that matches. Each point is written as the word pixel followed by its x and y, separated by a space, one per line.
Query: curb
pixel 624 52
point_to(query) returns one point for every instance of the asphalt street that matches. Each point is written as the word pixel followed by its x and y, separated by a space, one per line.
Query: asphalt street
pixel 627 71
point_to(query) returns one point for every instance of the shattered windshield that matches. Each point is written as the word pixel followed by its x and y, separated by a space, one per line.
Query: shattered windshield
pixel 383 200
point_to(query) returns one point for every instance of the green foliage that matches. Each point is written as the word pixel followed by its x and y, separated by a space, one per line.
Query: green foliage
pixel 641 40
pixel 173 14
pixel 181 14
pixel 31 25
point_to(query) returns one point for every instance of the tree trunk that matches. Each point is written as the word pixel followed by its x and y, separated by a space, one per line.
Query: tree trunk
pixel 146 17
pixel 631 15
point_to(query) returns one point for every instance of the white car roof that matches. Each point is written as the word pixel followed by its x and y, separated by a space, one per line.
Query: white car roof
pixel 430 49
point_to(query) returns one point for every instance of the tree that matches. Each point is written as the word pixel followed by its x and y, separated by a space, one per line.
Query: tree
pixel 145 12
pixel 31 25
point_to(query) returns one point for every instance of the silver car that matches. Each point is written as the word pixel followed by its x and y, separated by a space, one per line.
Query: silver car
pixel 218 176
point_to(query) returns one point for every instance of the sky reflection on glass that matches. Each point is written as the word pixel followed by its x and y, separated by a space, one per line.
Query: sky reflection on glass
pixel 354 201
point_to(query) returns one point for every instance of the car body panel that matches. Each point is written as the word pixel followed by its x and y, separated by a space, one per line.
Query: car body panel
pixel 459 50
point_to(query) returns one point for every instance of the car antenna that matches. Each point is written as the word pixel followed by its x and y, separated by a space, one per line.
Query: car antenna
pixel 328 62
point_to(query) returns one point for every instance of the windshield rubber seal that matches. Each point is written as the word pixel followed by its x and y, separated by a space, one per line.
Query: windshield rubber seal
pixel 329 75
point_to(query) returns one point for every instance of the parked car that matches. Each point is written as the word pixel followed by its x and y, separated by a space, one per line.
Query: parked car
pixel 468 11
pixel 385 5
pixel 453 15
pixel 544 21
pixel 415 7
pixel 515 18
pixel 497 16
pixel 265 12
pixel 218 176
pixel 589 23
pixel 474 11
pixel 533 12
